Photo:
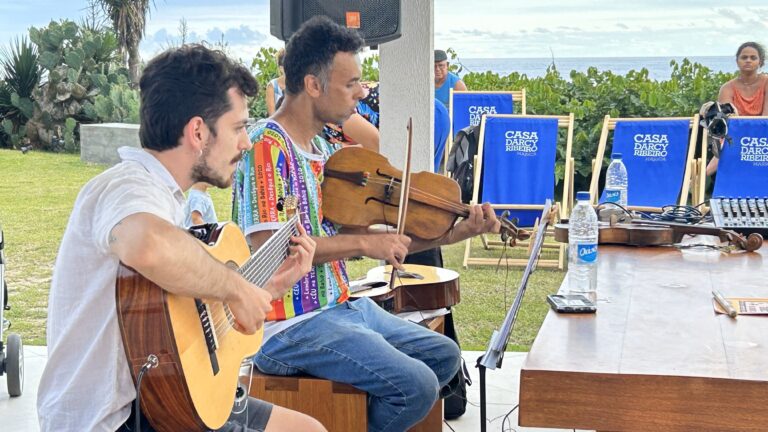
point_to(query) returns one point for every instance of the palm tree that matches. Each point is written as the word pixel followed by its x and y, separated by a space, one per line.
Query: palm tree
pixel 129 19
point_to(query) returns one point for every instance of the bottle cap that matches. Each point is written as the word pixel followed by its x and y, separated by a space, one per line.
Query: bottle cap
pixel 615 155
pixel 582 196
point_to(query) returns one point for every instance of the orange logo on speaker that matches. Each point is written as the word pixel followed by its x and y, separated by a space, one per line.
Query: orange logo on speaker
pixel 353 19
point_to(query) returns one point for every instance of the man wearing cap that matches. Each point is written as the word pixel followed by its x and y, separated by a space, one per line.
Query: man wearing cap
pixel 444 80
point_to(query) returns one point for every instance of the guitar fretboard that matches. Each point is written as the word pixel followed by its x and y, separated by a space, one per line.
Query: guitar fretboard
pixel 263 264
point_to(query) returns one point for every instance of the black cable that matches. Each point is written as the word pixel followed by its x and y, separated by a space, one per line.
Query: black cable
pixel 675 213
pixel 151 363
pixel 449 426
pixel 669 213
pixel 506 417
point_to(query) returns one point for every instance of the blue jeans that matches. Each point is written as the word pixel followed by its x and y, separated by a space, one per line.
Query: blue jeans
pixel 401 365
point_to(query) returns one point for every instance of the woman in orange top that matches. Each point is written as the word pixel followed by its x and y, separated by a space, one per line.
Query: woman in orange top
pixel 746 92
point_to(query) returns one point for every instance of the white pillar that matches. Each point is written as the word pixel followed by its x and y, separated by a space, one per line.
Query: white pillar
pixel 407 76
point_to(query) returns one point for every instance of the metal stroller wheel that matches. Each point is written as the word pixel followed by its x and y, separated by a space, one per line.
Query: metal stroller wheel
pixel 14 365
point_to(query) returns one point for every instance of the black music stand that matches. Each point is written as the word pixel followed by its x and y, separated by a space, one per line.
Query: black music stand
pixel 494 354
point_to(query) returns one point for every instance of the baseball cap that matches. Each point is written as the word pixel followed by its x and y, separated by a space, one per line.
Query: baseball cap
pixel 440 55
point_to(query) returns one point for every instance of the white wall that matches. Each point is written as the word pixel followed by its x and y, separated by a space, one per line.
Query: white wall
pixel 406 74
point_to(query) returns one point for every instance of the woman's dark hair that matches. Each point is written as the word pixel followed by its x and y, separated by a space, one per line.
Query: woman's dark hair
pixel 311 49
pixel 759 48
pixel 186 82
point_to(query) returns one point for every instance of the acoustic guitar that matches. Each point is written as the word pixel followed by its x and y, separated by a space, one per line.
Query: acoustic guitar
pixel 419 287
pixel 199 352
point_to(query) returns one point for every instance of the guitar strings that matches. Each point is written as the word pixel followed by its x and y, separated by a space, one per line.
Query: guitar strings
pixel 273 253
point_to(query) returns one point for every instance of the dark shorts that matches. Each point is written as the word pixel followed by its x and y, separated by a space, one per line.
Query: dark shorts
pixel 253 419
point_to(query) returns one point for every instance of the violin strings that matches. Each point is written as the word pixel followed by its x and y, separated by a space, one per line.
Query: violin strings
pixel 458 208
pixel 419 193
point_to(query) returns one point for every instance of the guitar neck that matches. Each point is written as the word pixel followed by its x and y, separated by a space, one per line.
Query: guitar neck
pixel 267 259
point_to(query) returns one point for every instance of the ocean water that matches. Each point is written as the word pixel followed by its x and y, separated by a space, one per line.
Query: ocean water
pixel 658 67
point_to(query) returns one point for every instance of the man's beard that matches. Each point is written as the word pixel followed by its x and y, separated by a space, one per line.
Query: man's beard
pixel 201 172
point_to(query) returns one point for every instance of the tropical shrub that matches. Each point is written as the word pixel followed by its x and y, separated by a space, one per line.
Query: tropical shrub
pixel 19 76
pixel 264 67
pixel 120 104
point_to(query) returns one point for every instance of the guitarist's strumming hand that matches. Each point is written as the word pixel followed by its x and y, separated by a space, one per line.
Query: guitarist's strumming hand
pixel 298 263
pixel 250 308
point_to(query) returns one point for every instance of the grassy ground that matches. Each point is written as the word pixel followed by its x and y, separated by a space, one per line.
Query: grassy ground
pixel 37 191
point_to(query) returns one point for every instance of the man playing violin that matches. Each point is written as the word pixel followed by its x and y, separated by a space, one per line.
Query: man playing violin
pixel 314 329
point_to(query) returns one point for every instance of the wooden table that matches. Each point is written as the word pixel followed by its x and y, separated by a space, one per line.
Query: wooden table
pixel 655 357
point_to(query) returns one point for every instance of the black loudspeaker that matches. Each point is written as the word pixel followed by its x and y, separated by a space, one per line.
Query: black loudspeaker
pixel 378 21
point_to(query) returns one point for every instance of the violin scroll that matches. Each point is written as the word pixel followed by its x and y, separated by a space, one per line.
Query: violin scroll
pixel 751 243
pixel 510 233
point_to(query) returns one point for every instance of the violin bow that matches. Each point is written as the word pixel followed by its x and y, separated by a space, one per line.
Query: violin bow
pixel 405 189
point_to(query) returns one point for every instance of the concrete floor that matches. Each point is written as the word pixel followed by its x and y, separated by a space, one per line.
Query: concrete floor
pixel 19 414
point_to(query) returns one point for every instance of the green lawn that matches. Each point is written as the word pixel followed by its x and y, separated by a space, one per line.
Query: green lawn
pixel 37 191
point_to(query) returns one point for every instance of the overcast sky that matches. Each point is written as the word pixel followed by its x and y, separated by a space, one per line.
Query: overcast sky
pixel 474 28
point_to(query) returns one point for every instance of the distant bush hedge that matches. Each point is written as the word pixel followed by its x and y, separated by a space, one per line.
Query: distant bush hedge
pixel 592 95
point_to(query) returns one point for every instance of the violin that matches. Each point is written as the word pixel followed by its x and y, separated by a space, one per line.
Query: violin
pixel 641 232
pixel 361 188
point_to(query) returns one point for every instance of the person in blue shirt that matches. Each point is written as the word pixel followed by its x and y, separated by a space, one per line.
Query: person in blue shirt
pixel 442 129
pixel 444 80
pixel 199 209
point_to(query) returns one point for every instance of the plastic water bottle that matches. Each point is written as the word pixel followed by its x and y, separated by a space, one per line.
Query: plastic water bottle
pixel 616 181
pixel 582 248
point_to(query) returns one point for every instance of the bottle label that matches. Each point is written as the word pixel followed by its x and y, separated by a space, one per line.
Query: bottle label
pixel 612 195
pixel 587 252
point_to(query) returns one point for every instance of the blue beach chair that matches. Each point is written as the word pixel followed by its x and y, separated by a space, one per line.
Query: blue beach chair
pixel 743 167
pixel 658 154
pixel 467 107
pixel 515 171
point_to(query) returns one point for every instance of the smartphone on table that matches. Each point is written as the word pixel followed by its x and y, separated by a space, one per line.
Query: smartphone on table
pixel 571 303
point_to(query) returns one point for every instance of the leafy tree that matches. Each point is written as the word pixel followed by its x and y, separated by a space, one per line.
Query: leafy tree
pixel 129 19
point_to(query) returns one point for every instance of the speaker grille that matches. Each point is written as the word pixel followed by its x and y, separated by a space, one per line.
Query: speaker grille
pixel 379 19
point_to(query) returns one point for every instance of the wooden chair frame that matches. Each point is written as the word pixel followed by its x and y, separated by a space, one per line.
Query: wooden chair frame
pixel 563 121
pixel 518 96
pixel 692 169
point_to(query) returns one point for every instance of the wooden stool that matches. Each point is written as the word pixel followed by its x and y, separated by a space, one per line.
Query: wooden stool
pixel 339 407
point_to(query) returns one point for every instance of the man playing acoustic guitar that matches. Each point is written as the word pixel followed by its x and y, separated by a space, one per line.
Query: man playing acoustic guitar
pixel 314 329
pixel 193 128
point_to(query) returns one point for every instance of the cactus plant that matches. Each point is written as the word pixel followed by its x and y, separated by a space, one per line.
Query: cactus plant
pixel 81 64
